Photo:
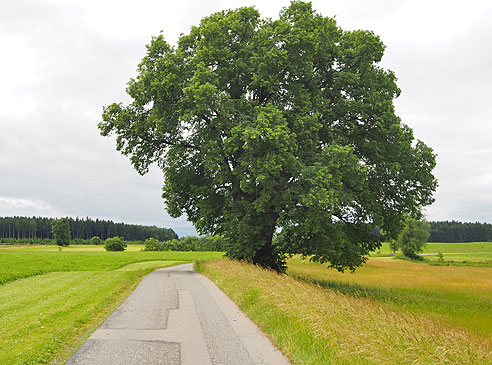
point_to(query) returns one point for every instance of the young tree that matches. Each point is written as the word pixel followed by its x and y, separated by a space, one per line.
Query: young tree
pixel 278 129
pixel 413 238
pixel 394 245
pixel 61 231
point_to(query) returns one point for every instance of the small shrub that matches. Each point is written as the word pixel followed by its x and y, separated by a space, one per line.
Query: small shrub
pixel 115 244
pixel 96 241
pixel 441 257
pixel 78 241
pixel 151 244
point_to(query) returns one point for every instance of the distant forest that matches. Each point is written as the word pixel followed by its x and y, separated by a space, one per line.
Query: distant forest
pixel 80 228
pixel 460 232
pixel 86 228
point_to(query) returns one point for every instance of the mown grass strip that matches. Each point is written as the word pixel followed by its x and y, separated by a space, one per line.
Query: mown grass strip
pixel 16 265
pixel 312 325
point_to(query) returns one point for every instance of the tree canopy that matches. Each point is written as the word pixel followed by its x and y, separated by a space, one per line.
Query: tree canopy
pixel 280 135
pixel 413 238
pixel 61 231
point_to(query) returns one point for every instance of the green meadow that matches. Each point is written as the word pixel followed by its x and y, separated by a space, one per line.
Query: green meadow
pixel 388 311
pixel 51 301
pixel 444 247
pixel 21 262
pixel 477 254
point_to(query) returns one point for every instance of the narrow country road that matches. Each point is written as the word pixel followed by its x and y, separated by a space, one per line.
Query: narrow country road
pixel 176 316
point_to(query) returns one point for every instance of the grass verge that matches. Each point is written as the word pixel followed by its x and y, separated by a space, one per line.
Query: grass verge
pixel 312 325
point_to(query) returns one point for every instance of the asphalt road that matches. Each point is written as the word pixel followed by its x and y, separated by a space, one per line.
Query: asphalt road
pixel 176 316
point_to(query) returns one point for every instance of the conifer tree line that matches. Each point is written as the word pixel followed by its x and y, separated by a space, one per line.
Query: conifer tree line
pixel 80 228
pixel 454 231
pixel 86 228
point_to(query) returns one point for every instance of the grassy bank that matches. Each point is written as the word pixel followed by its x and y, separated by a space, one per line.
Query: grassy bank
pixel 46 317
pixel 314 325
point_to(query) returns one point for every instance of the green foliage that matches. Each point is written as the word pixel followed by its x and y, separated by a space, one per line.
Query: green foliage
pixel 189 243
pixel 276 126
pixel 151 244
pixel 61 231
pixel 441 257
pixel 27 241
pixel 96 241
pixel 115 244
pixel 212 243
pixel 393 245
pixel 413 238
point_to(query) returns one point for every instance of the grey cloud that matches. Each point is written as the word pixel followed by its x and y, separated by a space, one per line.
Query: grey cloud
pixel 53 154
pixel 446 99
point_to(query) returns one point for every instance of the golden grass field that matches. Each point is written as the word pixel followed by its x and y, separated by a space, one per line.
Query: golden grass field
pixel 389 311
pixel 458 295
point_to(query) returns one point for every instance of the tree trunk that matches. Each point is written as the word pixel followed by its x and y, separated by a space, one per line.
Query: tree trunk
pixel 267 256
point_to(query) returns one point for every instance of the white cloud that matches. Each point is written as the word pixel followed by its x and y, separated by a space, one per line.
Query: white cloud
pixel 25 207
pixel 18 67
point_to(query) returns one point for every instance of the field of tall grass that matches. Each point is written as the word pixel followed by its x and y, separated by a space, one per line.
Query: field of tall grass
pixel 455 295
pixel 51 301
pixel 389 311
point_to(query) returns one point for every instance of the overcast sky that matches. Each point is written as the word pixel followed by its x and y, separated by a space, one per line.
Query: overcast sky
pixel 62 61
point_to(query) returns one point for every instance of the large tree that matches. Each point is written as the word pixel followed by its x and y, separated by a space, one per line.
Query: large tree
pixel 280 135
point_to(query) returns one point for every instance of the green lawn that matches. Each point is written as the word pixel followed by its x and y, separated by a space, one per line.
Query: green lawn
pixel 465 258
pixel 458 247
pixel 444 247
pixel 51 301
pixel 21 262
